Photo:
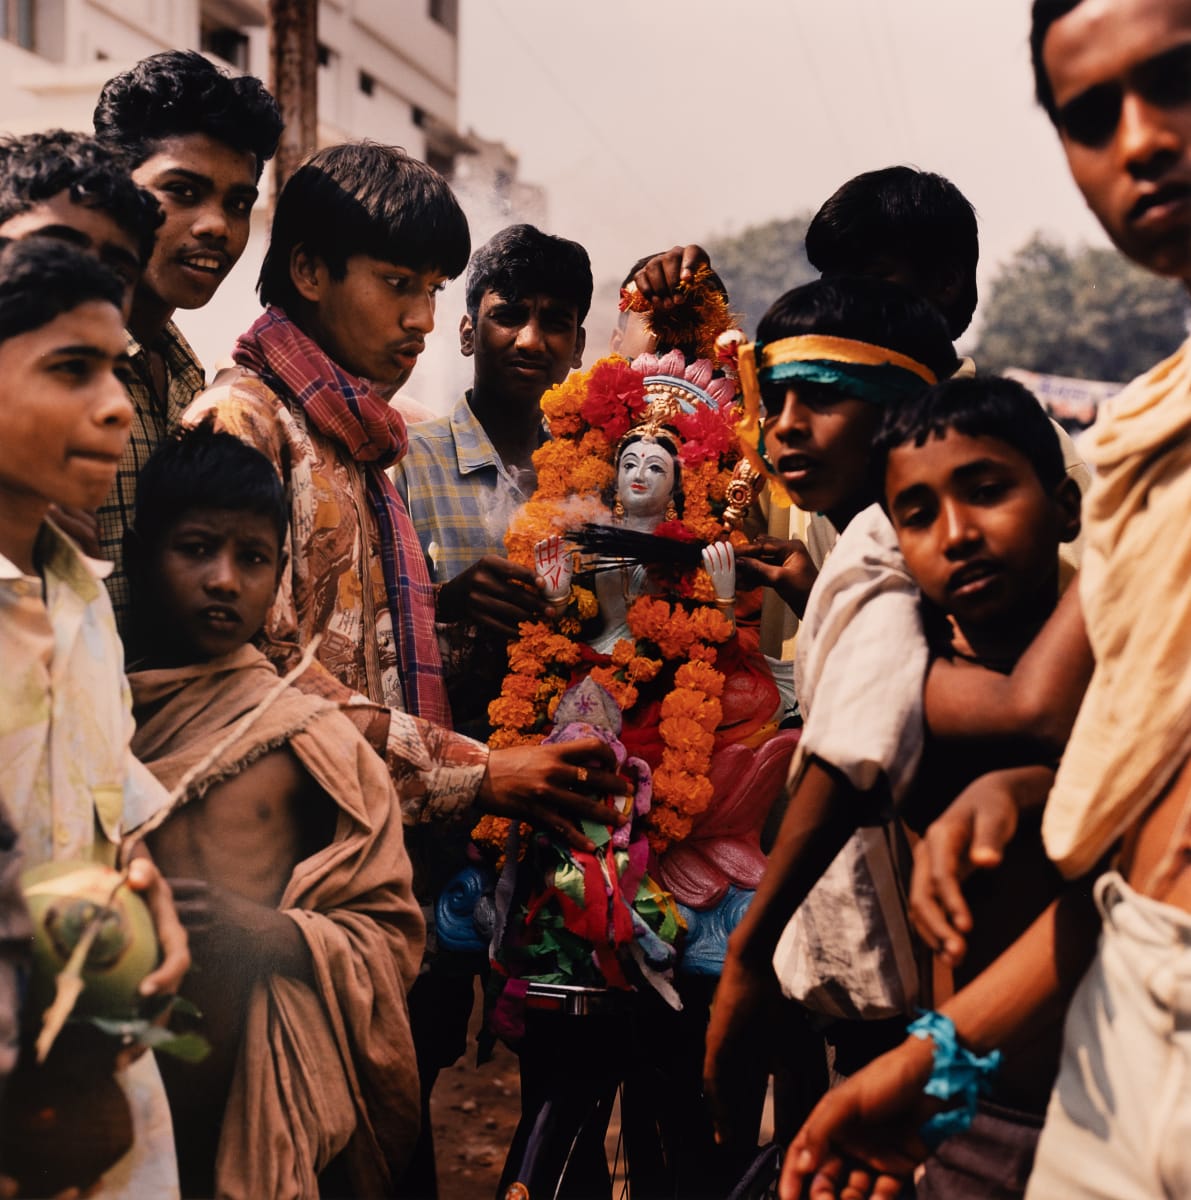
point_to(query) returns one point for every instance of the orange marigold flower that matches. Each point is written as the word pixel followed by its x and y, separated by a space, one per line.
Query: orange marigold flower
pixel 700 676
pixel 585 601
pixel 641 669
pixel 683 733
pixel 510 711
pixel 622 652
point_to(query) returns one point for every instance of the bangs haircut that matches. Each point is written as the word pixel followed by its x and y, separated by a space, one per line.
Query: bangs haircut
pixel 988 406
pixel 865 310
pixel 364 198
pixel 180 92
pixel 523 261
pixel 42 278
pixel 200 468
pixel 1042 16
pixel 38 166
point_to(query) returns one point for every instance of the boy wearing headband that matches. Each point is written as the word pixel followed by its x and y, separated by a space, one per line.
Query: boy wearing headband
pixel 830 359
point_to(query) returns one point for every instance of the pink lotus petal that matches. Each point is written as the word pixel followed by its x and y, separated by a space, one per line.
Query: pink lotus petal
pixel 699 372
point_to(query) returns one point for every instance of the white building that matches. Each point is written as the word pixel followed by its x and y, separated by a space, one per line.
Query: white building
pixel 388 70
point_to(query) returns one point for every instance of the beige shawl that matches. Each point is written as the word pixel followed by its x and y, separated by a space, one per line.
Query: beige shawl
pixel 1134 728
pixel 320 1071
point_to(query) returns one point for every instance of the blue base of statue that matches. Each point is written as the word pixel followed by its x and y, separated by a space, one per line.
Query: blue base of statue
pixel 707 932
pixel 464 917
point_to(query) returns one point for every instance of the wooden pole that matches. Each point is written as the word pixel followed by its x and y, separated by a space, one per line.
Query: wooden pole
pixel 293 79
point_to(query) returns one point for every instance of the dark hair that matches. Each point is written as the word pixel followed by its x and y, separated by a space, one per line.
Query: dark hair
pixel 364 198
pixel 202 468
pixel 1042 16
pixel 180 92
pixel 903 214
pixel 41 278
pixel 38 166
pixel 866 310
pixel 987 406
pixel 521 261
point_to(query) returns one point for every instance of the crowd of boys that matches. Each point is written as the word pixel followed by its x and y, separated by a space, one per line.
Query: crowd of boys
pixel 170 547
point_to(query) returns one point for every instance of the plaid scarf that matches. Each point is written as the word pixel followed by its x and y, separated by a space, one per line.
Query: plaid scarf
pixel 347 410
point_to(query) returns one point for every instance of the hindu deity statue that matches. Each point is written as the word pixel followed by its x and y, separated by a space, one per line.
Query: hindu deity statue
pixel 634 529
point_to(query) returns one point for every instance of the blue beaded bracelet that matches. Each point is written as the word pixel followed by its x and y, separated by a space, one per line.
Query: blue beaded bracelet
pixel 956 1074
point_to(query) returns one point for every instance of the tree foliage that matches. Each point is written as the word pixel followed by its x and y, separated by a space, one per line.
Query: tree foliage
pixel 1087 313
pixel 761 263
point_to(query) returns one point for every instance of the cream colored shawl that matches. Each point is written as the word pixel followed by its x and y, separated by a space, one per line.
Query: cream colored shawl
pixel 1134 728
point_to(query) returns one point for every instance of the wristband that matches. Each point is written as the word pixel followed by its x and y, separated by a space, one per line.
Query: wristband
pixel 956 1074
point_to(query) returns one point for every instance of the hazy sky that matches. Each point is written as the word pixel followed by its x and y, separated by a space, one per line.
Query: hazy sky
pixel 659 121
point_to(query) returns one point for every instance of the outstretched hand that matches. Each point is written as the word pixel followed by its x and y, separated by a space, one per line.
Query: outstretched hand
pixel 971 835
pixel 495 594
pixel 658 280
pixel 555 787
pixel 785 566
pixel 862 1138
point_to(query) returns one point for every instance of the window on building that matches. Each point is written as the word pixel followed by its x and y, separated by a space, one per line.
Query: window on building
pixel 367 83
pixel 16 22
pixel 446 13
pixel 325 55
pixel 229 44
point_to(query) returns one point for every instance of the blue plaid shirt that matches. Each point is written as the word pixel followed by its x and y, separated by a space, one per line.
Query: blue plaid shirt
pixel 458 492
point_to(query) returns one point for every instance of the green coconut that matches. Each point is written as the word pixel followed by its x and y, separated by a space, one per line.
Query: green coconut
pixel 62 898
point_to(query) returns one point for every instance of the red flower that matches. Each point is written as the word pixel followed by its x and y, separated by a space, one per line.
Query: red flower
pixel 706 436
pixel 615 398
pixel 674 530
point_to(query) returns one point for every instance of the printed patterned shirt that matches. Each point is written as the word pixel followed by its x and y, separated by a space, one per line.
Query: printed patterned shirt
pixel 334 586
pixel 151 421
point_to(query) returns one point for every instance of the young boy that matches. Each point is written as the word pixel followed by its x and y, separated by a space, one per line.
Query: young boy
pixel 67 778
pixel 197 140
pixel 830 358
pixel 286 860
pixel 69 186
pixel 977 493
pixel 1113 79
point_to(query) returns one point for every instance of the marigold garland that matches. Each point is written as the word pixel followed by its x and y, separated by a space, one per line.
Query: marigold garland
pixel 671 639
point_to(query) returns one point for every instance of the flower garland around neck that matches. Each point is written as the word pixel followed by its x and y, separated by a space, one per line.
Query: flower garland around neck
pixel 672 650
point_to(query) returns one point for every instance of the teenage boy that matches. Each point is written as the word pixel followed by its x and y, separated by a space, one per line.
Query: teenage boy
pixel 67 778
pixel 70 187
pixel 1112 77
pixel 197 140
pixel 465 474
pixel 286 860
pixel 363 239
pixel 976 491
pixel 830 358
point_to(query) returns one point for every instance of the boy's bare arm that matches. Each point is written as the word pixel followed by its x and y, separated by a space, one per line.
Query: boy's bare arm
pixel 875 1116
pixel 824 811
pixel 1038 701
pixel 249 938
